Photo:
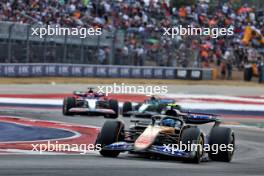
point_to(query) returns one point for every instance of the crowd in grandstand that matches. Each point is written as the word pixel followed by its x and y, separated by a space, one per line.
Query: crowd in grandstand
pixel 143 22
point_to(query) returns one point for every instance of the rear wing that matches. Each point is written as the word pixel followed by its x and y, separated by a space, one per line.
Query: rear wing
pixel 201 118
pixel 187 117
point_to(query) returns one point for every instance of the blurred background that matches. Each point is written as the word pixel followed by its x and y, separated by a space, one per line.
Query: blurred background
pixel 133 34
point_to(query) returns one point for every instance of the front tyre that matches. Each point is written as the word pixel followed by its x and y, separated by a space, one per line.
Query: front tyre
pixel 193 136
pixel 68 103
pixel 111 132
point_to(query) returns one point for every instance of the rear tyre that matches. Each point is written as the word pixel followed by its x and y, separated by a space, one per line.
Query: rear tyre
pixel 193 136
pixel 68 103
pixel 111 132
pixel 113 104
pixel 126 108
pixel 222 136
pixel 171 112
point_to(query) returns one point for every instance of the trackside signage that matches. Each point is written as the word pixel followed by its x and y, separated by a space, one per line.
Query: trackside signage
pixel 115 71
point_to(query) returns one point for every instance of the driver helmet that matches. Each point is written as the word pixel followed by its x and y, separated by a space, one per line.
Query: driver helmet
pixel 152 98
pixel 90 90
pixel 168 122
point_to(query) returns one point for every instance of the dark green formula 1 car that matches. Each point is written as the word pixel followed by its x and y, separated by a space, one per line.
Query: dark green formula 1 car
pixel 150 107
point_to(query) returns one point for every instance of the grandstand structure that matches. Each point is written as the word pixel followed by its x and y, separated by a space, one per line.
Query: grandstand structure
pixel 132 32
pixel 18 45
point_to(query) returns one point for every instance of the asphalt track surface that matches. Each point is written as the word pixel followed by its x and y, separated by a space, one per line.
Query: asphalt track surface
pixel 248 158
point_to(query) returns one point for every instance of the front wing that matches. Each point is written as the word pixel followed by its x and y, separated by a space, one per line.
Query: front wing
pixel 162 150
pixel 95 111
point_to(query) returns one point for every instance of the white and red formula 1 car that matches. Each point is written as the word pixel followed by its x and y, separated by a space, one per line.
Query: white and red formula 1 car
pixel 90 103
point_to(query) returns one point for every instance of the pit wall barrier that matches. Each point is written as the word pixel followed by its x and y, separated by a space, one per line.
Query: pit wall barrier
pixel 111 71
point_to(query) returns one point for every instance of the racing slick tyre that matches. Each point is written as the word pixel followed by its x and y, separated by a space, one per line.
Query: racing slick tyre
pixel 126 108
pixel 113 104
pixel 68 103
pixel 190 136
pixel 222 136
pixel 112 131
pixel 171 112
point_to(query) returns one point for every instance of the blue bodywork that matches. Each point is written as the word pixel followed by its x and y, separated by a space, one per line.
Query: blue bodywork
pixel 167 101
pixel 163 150
pixel 169 150
pixel 200 118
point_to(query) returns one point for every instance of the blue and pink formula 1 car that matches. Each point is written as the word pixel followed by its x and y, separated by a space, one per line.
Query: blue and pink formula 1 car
pixel 159 137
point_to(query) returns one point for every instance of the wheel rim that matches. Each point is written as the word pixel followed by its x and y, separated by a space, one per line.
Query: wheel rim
pixel 200 147
pixel 232 141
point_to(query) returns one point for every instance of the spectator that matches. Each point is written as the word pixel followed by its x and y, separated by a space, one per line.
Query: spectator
pixel 142 20
pixel 229 68
pixel 101 56
pixel 223 69
pixel 260 66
